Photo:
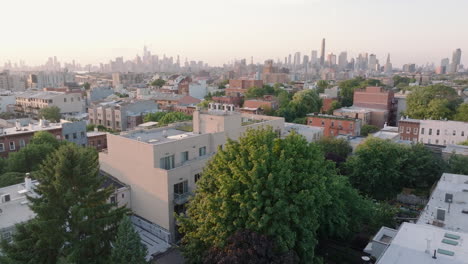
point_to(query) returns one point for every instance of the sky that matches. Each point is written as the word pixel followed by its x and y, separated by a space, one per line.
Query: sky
pixel 218 31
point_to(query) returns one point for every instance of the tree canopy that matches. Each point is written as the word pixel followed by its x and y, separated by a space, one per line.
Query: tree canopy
pixel 432 102
pixel 348 87
pixel 368 129
pixel 462 113
pixel 335 149
pixel 51 113
pixel 276 187
pixel 165 118
pixel 73 222
pixel 158 82
pixel 381 168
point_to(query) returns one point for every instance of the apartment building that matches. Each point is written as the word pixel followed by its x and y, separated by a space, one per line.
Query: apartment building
pixel 97 140
pixel 438 235
pixel 335 125
pixel 32 101
pixel 435 132
pixel 240 87
pixel 162 165
pixel 258 106
pixel 121 114
pixel 14 138
pixel 380 102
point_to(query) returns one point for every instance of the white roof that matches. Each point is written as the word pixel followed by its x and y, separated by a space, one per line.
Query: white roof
pixel 455 219
pixel 148 124
pixel 410 244
pixel 16 210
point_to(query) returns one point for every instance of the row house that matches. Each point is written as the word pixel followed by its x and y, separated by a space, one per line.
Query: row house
pixel 335 125
pixel 435 132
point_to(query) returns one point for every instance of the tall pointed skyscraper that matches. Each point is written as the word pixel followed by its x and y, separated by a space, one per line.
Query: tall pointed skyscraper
pixel 388 65
pixel 322 53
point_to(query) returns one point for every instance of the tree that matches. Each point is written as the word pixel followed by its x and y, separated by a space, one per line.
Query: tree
pixel 334 105
pixel 375 168
pixel 153 117
pixel 51 113
pixel 335 149
pixel 347 90
pixel 368 129
pixel 127 247
pixel 173 117
pixel 87 86
pixel 11 178
pixel 422 168
pixel 158 83
pixel 433 101
pixel 245 246
pixel 305 102
pixel 462 113
pixel 321 86
pixel 29 158
pixel 73 223
pixel 458 164
pixel 262 183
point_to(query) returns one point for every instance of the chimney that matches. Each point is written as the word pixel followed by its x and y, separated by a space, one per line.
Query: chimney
pixel 41 122
pixel 28 182
pixel 428 246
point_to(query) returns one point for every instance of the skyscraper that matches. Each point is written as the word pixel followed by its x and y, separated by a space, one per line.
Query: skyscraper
pixel 313 57
pixel 372 62
pixel 388 65
pixel 322 53
pixel 343 60
pixel 456 59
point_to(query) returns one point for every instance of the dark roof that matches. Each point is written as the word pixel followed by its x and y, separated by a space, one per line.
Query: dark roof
pixel 110 181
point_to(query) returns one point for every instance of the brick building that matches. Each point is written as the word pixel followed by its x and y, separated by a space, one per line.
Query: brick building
pixel 434 132
pixel 97 140
pixel 240 87
pixel 409 129
pixel 335 125
pixel 257 106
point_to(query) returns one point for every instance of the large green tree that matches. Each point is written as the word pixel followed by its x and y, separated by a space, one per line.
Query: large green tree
pixel 276 187
pixel 368 129
pixel 305 102
pixel 335 149
pixel 433 101
pixel 458 164
pixel 462 113
pixel 74 222
pixel 51 113
pixel 127 247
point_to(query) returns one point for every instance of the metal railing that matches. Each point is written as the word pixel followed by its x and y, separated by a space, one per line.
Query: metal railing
pixel 181 198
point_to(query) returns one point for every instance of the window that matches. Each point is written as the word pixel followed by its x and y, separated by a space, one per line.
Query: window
pixel 167 163
pixel 422 131
pixel 181 187
pixel 117 124
pixel 108 123
pixel 123 195
pixel 429 141
pixel 454 133
pixel 71 99
pixel 437 141
pixel 184 156
pixel 415 131
pixel 197 177
pixel 408 130
pixel 402 129
pixel 430 131
pixel 323 123
pixel 66 136
pixel 2 147
pixel 333 124
pixel 22 143
pixel 113 199
pixel 463 133
pixel 64 100
pixel 74 135
pixel 438 132
pixel 83 134
pixel 12 145
pixel 351 126
pixel 99 142
pixel 202 151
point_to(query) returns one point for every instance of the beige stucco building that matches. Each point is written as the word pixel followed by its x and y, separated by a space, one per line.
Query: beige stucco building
pixel 162 165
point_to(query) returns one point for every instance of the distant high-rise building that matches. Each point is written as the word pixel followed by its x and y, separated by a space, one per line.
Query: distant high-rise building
pixel 331 59
pixel 313 57
pixel 456 59
pixel 305 60
pixel 372 66
pixel 343 60
pixel 289 59
pixel 322 53
pixel 388 65
pixel 297 58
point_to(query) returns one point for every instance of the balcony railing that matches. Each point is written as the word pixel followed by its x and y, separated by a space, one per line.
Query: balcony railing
pixel 181 198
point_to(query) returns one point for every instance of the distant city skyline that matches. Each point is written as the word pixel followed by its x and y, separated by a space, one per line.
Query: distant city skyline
pixel 218 32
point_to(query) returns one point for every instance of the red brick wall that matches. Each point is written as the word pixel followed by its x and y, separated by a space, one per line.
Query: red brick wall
pixel 6 139
pixel 333 126
pixel 374 97
pixel 408 130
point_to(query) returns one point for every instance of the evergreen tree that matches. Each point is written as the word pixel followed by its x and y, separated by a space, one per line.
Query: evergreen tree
pixel 74 222
pixel 128 247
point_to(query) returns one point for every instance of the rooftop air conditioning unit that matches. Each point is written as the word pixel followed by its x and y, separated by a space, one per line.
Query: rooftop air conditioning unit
pixel 440 214
pixel 6 198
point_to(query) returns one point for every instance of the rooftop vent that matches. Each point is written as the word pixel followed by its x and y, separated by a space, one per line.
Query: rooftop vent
pixel 448 198
pixel 440 214
pixel 5 198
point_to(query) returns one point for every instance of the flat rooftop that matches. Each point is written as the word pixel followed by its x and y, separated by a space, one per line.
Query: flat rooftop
pixel 456 212
pixel 16 210
pixel 410 245
pixel 457 149
pixel 30 128
pixel 158 135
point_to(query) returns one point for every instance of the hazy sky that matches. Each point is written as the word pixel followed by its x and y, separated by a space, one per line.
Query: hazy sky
pixel 216 31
